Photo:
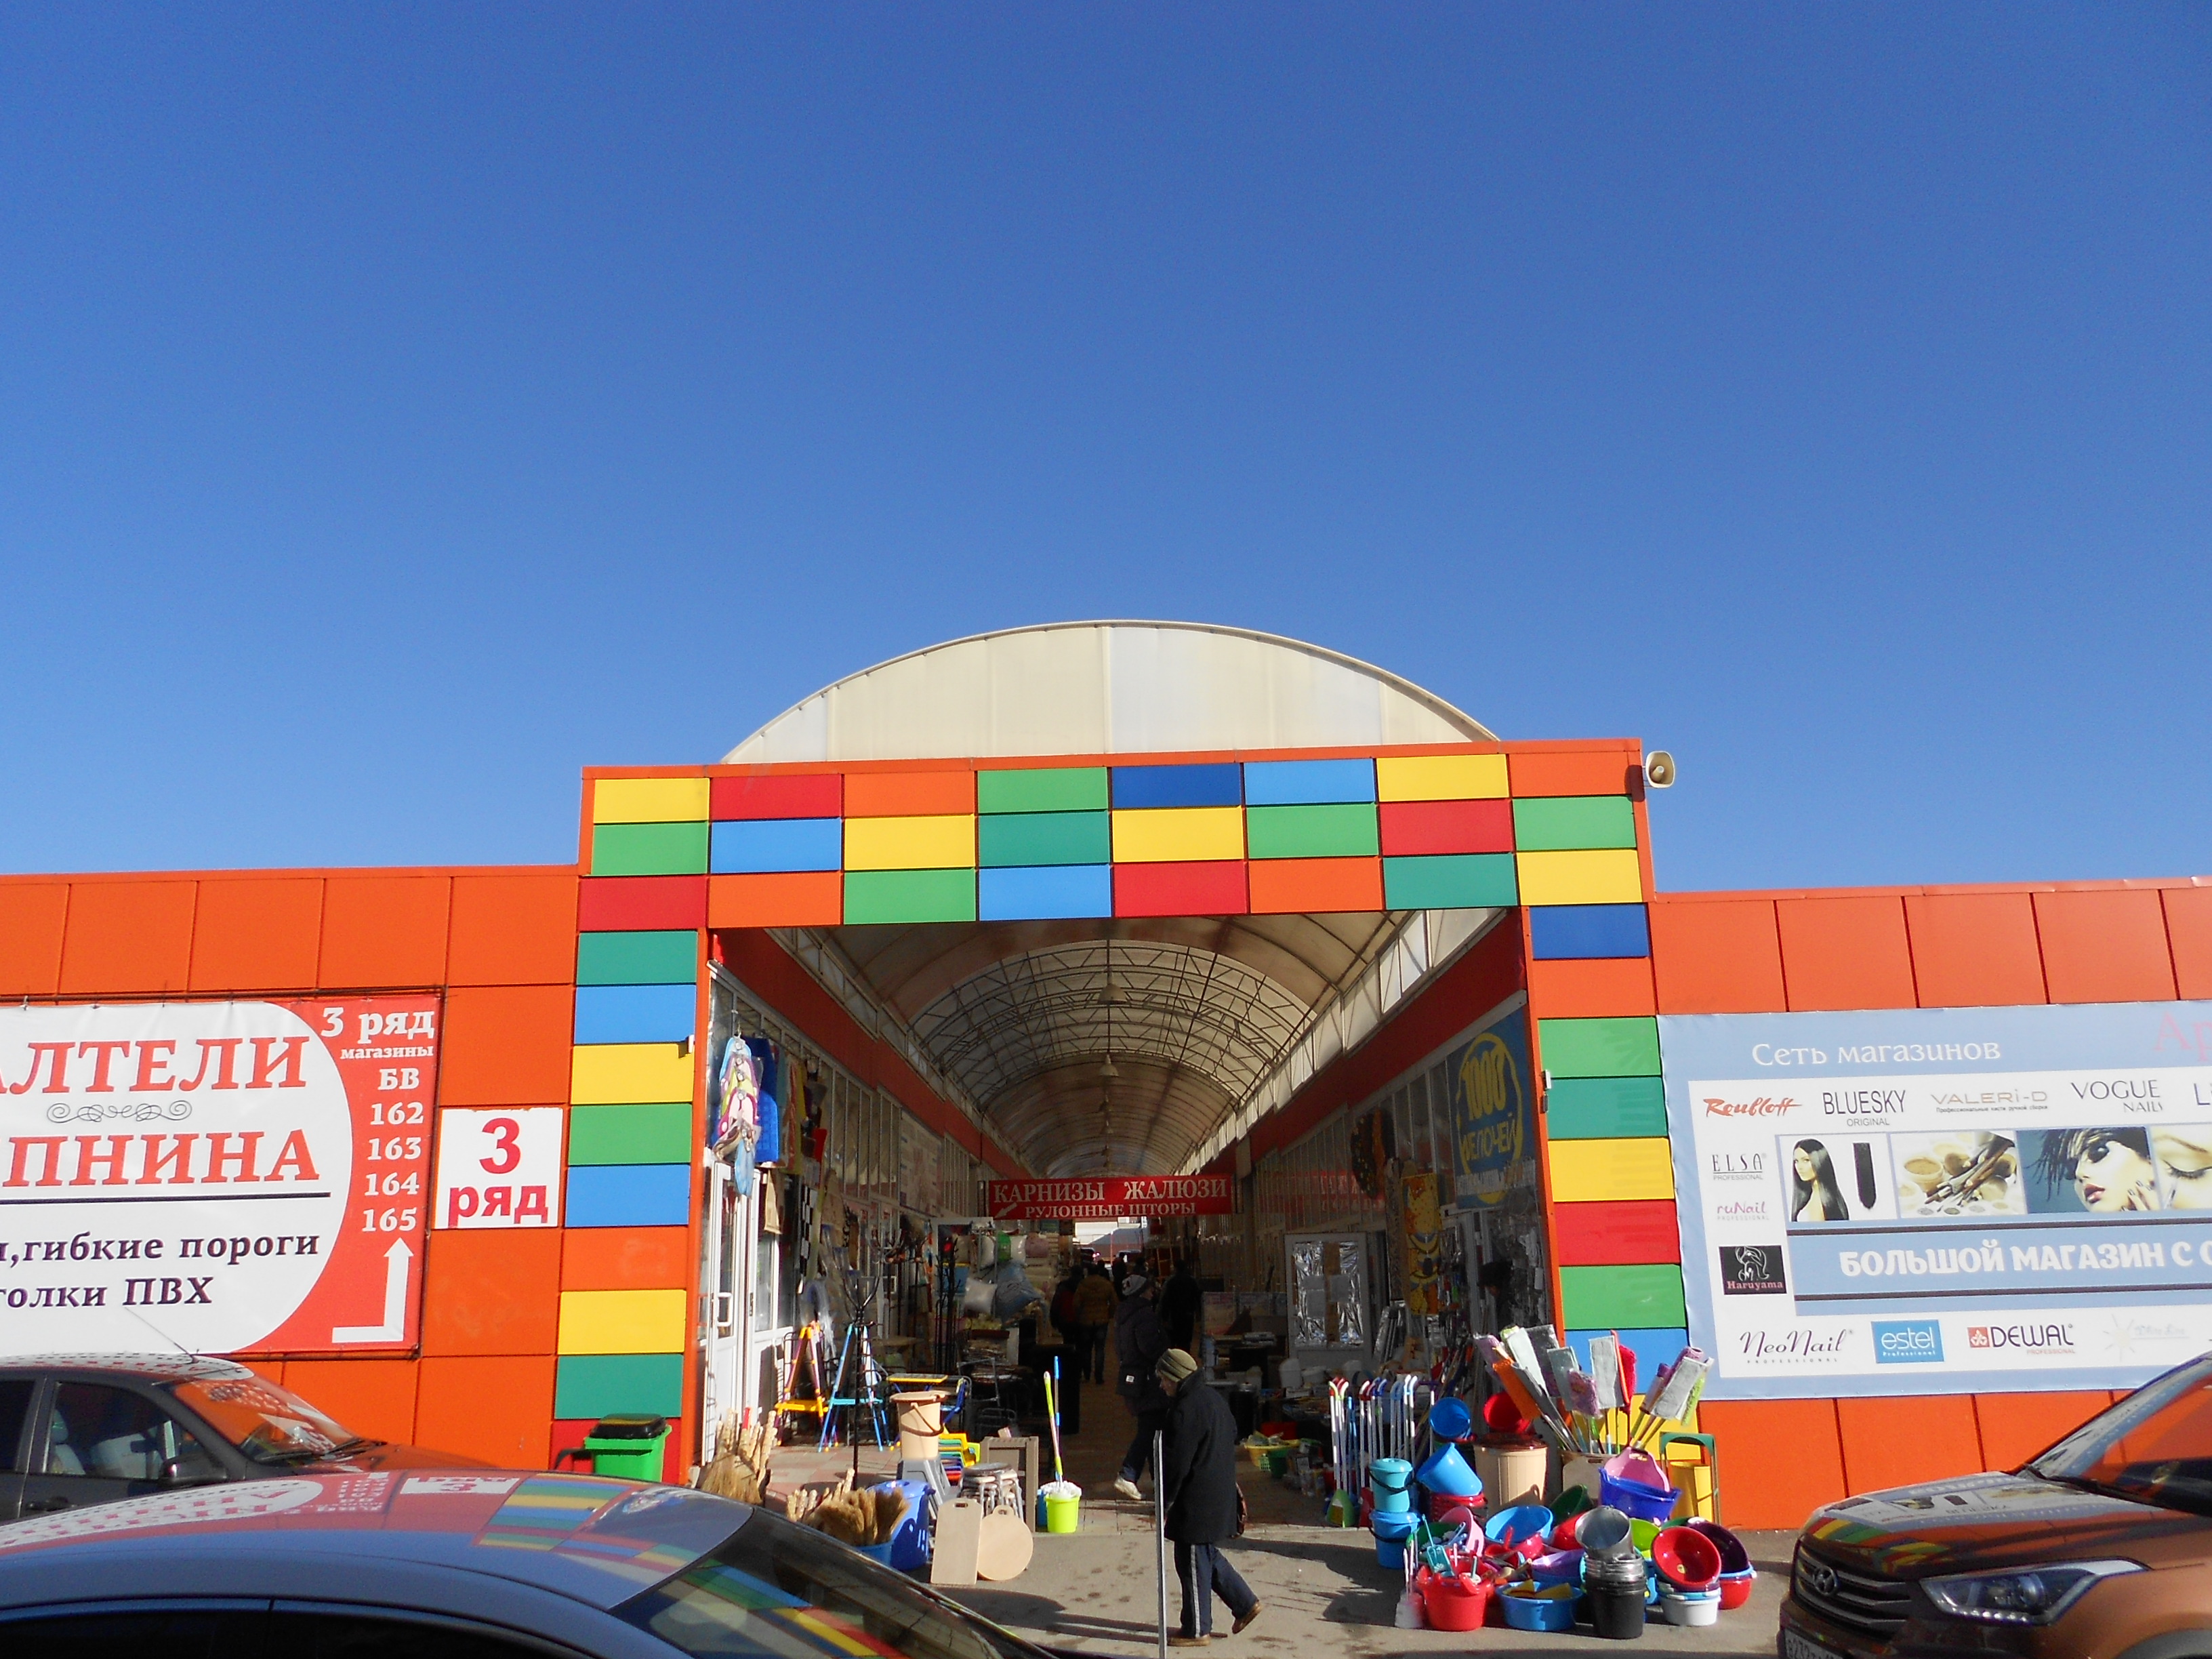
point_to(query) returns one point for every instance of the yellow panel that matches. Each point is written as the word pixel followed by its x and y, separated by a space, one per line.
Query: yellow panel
pixel 1592 1172
pixel 622 1321
pixel 649 800
pixel 932 843
pixel 1170 833
pixel 1440 777
pixel 1611 875
pixel 629 1074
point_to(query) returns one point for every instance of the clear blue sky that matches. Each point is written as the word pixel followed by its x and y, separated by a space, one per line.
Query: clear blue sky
pixel 402 407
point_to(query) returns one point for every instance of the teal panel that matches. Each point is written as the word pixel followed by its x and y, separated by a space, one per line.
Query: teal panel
pixel 1561 824
pixel 1626 1047
pixel 637 958
pixel 894 895
pixel 601 1384
pixel 1450 881
pixel 1312 832
pixel 1046 789
pixel 1605 1108
pixel 1041 838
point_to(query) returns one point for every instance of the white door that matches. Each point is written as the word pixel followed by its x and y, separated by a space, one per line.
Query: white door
pixel 721 1366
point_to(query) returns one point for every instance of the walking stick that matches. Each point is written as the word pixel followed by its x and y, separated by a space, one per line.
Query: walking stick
pixel 1160 1531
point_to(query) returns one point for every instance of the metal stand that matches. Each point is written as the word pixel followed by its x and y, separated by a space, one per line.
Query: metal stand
pixel 1160 1529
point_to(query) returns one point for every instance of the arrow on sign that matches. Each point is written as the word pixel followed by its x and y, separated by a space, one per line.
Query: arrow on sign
pixel 394 1327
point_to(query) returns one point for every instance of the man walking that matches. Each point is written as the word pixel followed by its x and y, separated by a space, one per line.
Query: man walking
pixel 1180 1300
pixel 1094 1308
pixel 1198 1478
pixel 1139 1342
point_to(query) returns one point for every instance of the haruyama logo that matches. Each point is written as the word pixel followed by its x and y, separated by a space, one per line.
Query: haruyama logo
pixel 1764 1106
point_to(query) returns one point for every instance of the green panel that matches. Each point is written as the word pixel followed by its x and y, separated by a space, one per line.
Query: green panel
pixel 1048 789
pixel 1605 1108
pixel 1312 832
pixel 630 1135
pixel 1569 823
pixel 882 895
pixel 637 958
pixel 1450 881
pixel 600 1384
pixel 1032 838
pixel 1600 1048
pixel 649 849
pixel 1618 1298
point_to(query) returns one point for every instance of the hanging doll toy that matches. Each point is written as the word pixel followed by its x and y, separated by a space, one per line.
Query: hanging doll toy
pixel 736 1120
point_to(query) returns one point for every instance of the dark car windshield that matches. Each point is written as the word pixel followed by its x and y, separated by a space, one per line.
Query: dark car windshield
pixel 2155 1445
pixel 787 1591
pixel 262 1420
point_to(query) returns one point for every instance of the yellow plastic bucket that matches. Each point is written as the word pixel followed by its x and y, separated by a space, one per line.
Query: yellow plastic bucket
pixel 1062 1514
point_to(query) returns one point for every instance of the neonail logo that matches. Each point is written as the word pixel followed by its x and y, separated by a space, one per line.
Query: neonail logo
pixel 1764 1106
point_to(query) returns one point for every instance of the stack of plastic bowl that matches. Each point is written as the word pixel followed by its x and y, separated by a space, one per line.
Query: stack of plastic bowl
pixel 1689 1560
pixel 1533 1607
pixel 1690 1606
pixel 1737 1574
pixel 1514 1527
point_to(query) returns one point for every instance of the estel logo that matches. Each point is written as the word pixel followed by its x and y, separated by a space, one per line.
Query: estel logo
pixel 1908 1342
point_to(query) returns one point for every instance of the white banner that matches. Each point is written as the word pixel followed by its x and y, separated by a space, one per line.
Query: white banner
pixel 499 1167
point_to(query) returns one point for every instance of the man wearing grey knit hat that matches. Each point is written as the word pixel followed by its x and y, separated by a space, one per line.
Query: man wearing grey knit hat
pixel 1198 1481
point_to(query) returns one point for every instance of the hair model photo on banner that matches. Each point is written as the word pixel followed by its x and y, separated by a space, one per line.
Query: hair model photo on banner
pixel 2095 1170
pixel 1813 1193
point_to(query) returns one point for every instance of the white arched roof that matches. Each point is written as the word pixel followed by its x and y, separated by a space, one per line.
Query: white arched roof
pixel 1107 687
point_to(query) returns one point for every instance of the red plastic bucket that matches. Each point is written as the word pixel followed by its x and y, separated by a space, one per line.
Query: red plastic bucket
pixel 1453 1603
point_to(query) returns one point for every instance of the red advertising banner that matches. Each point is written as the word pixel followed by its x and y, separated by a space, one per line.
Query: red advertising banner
pixel 1105 1198
pixel 219 1177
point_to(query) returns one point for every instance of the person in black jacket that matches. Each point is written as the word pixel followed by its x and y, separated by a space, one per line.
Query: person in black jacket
pixel 1139 1342
pixel 1180 1301
pixel 1198 1478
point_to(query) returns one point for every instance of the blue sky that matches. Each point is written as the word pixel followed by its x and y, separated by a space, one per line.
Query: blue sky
pixel 403 407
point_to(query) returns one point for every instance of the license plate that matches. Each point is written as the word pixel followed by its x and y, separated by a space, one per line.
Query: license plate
pixel 1794 1646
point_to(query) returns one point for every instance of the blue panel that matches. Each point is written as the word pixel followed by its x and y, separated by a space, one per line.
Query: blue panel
pixel 1565 932
pixel 634 1013
pixel 1652 1349
pixel 1222 785
pixel 628 1195
pixel 760 847
pixel 1308 783
pixel 1044 893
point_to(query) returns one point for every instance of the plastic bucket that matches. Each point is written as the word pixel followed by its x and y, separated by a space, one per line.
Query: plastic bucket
pixel 1400 1502
pixel 1501 1416
pixel 1511 1475
pixel 1389 1474
pixel 876 1551
pixel 1640 1503
pixel 1603 1532
pixel 1449 1419
pixel 1454 1604
pixel 1447 1472
pixel 1393 1526
pixel 1616 1614
pixel 1643 1534
pixel 1062 1514
pixel 1552 1611
pixel 1391 1553
pixel 920 1414
pixel 1697 1608
pixel 1522 1520
pixel 1735 1587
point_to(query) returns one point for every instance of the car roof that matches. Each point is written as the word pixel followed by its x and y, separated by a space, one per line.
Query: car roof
pixel 600 1541
pixel 146 1367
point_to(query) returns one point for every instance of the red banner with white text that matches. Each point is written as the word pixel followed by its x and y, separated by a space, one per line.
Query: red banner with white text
pixel 1107 1197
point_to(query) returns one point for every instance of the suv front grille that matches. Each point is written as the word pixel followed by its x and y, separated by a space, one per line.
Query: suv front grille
pixel 1854 1600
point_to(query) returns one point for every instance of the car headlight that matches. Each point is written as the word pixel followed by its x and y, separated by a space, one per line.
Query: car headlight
pixel 2020 1595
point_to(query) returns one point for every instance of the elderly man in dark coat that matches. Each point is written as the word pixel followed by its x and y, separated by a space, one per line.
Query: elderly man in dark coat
pixel 1139 1342
pixel 1198 1479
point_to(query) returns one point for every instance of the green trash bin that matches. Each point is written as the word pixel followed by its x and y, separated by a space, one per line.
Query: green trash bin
pixel 625 1446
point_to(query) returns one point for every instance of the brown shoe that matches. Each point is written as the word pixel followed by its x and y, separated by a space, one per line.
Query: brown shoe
pixel 1237 1629
pixel 1180 1641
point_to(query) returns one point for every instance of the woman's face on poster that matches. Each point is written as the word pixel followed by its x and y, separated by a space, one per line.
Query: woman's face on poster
pixel 2111 1175
pixel 2186 1155
pixel 1803 1162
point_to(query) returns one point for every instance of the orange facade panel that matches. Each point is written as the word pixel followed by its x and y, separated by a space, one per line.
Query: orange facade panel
pixel 2189 936
pixel 2105 946
pixel 372 1397
pixel 1782 1459
pixel 1572 772
pixel 1317 886
pixel 128 937
pixel 1945 1440
pixel 625 1258
pixel 1717 956
pixel 496 1409
pixel 803 898
pixel 1847 951
pixel 2016 1426
pixel 384 931
pixel 257 934
pixel 492 1291
pixel 513 929
pixel 506 1045
pixel 1974 949
pixel 32 917
pixel 1592 989
pixel 908 795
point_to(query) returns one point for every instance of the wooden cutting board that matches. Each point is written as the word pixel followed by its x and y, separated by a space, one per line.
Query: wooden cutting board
pixel 959 1535
pixel 1003 1548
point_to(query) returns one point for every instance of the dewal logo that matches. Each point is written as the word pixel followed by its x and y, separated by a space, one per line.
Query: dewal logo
pixel 1908 1342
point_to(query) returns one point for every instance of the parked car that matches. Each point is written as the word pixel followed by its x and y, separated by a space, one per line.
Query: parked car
pixel 2101 1546
pixel 461 1564
pixel 77 1430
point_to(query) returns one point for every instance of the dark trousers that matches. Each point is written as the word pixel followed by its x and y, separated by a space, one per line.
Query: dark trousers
pixel 1098 1345
pixel 1139 1458
pixel 1204 1571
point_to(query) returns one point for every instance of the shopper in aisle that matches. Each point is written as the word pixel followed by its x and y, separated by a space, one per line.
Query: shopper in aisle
pixel 1094 1308
pixel 1139 1342
pixel 1179 1305
pixel 1075 1353
pixel 1198 1481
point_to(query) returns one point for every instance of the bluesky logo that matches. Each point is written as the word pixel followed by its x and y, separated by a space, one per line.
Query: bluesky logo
pixel 1908 1342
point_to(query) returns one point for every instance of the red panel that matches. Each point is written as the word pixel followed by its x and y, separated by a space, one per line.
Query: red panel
pixel 493 1291
pixel 1213 889
pixel 1845 952
pixel 778 795
pixel 1616 1235
pixel 2105 947
pixel 375 1397
pixel 506 1045
pixel 1411 828
pixel 1721 956
pixel 625 1258
pixel 607 904
pixel 804 898
pixel 128 936
pixel 908 795
pixel 1974 949
pixel 499 1410
pixel 513 930
pixel 1780 1459
pixel 257 934
pixel 1316 886
pixel 1897 1442
pixel 31 918
pixel 385 930
pixel 2016 1426
pixel 1602 772
pixel 1593 990
pixel 2189 931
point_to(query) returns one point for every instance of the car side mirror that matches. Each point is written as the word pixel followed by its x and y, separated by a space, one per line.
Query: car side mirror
pixel 173 1470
